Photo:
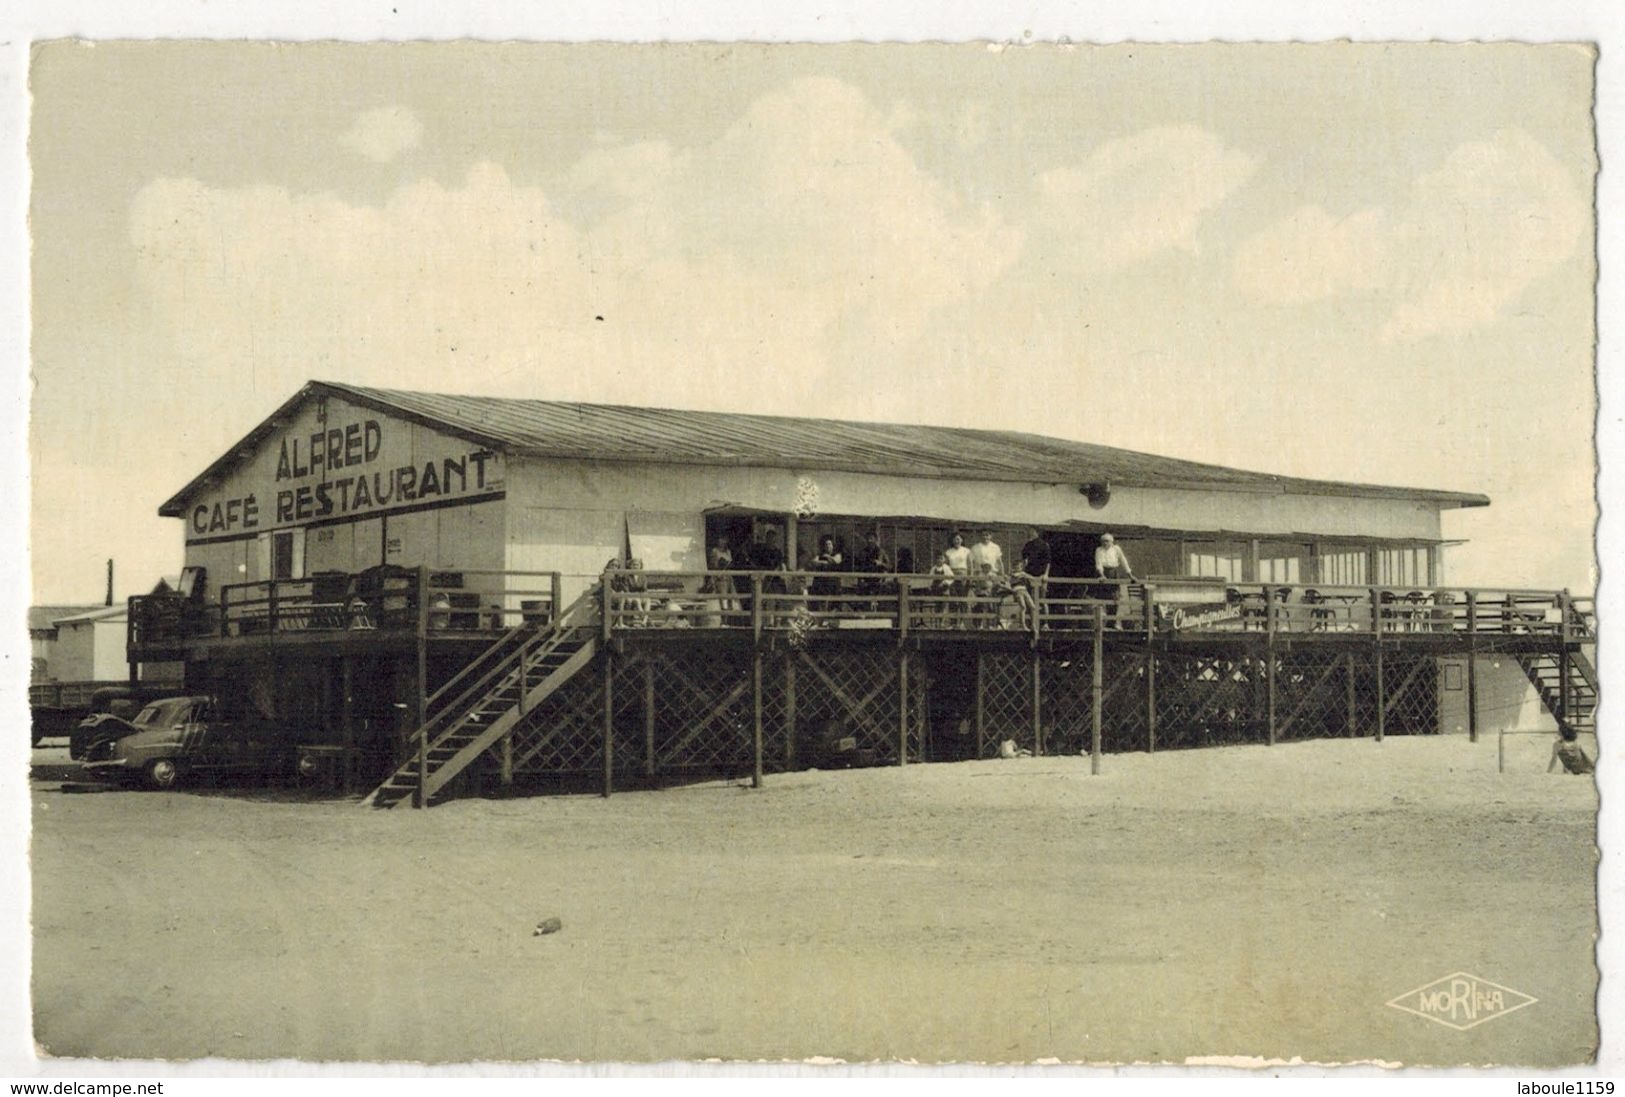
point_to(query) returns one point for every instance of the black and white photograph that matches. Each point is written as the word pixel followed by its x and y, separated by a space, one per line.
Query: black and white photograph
pixel 851 552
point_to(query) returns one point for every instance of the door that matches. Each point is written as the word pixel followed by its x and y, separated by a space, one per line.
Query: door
pixel 1072 555
pixel 199 739
pixel 287 554
pixel 737 530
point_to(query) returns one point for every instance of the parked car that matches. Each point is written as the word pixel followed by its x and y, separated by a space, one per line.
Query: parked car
pixel 183 736
pixel 113 710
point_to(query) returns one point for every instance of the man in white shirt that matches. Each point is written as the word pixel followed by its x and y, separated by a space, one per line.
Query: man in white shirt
pixel 986 561
pixel 986 558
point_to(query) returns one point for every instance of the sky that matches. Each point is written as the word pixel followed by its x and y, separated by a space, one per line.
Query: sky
pixel 1353 262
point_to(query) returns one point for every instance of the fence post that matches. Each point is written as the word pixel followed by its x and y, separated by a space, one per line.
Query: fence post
pixel 1564 660
pixel 756 698
pixel 756 605
pixel 271 607
pixel 347 720
pixel 1563 683
pixel 902 707
pixel 902 609
pixel 789 710
pixel 556 594
pixel 419 798
pixel 1472 696
pixel 981 680
pixel 524 690
pixel 1269 692
pixel 648 717
pixel 1150 701
pixel 1352 702
pixel 1150 615
pixel 1376 612
pixel 1382 696
pixel 1096 683
pixel 606 594
pixel 421 685
pixel 1038 708
pixel 609 725
pixel 1269 664
pixel 524 675
pixel 1472 670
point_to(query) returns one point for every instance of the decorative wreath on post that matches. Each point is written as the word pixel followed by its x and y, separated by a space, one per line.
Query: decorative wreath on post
pixel 806 505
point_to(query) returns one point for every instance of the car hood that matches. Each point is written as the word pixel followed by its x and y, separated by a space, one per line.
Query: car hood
pixel 106 726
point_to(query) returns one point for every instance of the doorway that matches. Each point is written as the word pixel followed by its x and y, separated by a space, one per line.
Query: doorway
pixel 741 531
pixel 1072 555
pixel 735 530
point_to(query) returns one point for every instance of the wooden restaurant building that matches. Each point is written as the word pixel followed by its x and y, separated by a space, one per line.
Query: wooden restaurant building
pixel 434 586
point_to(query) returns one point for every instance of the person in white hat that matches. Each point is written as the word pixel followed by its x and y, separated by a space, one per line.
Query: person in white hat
pixel 1111 562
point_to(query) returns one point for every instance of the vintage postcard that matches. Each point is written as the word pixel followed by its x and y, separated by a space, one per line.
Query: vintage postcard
pixel 931 553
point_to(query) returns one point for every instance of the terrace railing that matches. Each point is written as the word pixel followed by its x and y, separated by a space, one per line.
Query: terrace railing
pixel 767 602
pixel 437 601
pixel 470 601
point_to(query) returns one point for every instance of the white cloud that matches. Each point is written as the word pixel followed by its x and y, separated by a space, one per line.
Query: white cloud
pixel 382 135
pixel 750 266
pixel 1469 237
pixel 1310 255
pixel 1142 194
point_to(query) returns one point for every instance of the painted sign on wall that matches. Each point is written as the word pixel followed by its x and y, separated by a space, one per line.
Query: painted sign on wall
pixel 338 462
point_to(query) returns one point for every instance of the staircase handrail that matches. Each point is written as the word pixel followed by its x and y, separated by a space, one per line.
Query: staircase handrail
pixel 1583 611
pixel 555 628
pixel 498 649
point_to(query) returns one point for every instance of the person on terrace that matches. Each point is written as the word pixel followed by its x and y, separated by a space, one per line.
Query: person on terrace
pixel 987 572
pixel 1030 579
pixel 828 560
pixel 1111 562
pixel 958 557
pixel 870 557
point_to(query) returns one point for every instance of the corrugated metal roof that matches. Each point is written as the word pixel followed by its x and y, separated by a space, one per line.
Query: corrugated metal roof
pixel 546 428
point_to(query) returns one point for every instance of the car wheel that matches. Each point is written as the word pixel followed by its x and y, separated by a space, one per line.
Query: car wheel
pixel 162 774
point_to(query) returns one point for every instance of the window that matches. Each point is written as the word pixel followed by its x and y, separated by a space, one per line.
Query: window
pixel 1217 560
pixel 1402 567
pixel 1282 562
pixel 1343 567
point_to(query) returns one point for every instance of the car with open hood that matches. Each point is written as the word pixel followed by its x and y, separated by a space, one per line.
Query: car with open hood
pixel 181 737
pixel 113 712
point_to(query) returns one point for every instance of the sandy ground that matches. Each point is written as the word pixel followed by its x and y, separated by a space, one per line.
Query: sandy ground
pixel 1244 901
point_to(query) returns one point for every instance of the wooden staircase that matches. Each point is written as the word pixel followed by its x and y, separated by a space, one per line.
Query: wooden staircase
pixel 1545 672
pixel 488 698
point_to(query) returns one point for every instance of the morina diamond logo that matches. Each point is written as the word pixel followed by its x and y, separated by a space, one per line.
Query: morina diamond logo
pixel 1462 1001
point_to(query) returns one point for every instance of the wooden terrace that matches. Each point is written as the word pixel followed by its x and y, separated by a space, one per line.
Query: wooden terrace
pixel 794 606
pixel 752 671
